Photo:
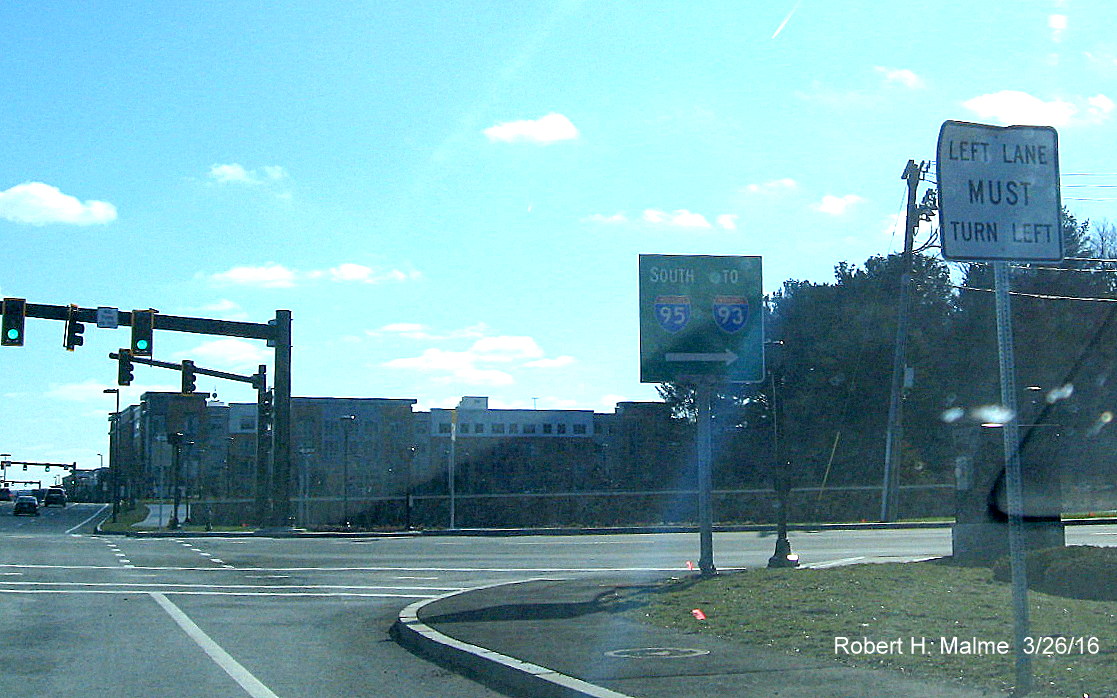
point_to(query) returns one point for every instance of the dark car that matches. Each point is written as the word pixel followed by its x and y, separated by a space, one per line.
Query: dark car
pixel 26 504
pixel 55 495
pixel 5 494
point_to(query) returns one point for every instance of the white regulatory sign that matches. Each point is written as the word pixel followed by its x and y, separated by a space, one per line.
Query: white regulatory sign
pixel 108 318
pixel 999 192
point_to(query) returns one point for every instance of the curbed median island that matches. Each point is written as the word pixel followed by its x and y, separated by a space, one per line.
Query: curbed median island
pixel 935 620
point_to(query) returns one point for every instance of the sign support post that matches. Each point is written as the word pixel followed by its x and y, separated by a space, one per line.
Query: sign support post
pixel 1013 477
pixel 703 397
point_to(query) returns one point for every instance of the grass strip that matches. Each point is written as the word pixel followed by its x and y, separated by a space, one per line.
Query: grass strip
pixel 933 605
pixel 125 518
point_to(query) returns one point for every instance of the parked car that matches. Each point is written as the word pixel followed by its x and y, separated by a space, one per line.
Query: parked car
pixel 55 495
pixel 26 504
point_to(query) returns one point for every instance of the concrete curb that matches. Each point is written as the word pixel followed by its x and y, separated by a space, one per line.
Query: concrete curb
pixel 510 673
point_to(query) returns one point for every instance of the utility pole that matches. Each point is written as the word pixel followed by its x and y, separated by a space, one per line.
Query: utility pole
pixel 895 435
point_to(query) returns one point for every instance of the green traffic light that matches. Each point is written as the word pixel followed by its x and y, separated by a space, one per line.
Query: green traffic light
pixel 141 344
pixel 13 333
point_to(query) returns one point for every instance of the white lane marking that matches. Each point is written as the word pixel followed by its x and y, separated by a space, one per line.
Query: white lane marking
pixel 509 570
pixel 327 594
pixel 833 563
pixel 95 515
pixel 164 585
pixel 232 667
pixel 11 574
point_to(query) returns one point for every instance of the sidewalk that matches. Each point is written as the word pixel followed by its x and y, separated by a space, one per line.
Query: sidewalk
pixel 564 638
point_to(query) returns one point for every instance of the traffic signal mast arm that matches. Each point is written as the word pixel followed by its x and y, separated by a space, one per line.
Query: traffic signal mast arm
pixel 174 323
pixel 254 379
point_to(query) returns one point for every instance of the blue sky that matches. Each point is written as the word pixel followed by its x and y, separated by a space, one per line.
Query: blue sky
pixel 451 197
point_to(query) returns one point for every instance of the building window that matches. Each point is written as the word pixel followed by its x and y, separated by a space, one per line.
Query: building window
pixel 562 428
pixel 498 428
pixel 443 428
pixel 463 428
pixel 478 428
pixel 247 423
pixel 529 428
pixel 548 428
pixel 513 428
pixel 579 428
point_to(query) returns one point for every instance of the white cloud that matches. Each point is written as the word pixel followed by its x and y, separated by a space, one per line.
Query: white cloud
pixel 415 330
pixel 557 362
pixel 36 203
pixel 901 76
pixel 226 309
pixel 1014 107
pixel 1058 25
pixel 349 272
pixel 776 185
pixel 478 364
pixel 235 173
pixel 460 365
pixel 680 218
pixel 614 219
pixel 273 275
pixel 836 205
pixel 270 275
pixel 727 221
pixel 225 354
pixel 548 129
pixel 505 349
pixel 1099 107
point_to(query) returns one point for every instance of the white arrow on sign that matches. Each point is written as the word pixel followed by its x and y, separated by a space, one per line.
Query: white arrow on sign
pixel 727 357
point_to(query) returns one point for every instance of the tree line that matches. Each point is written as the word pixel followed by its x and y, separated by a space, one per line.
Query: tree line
pixel 821 415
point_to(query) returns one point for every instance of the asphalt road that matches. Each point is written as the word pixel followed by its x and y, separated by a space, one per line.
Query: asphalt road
pixel 91 615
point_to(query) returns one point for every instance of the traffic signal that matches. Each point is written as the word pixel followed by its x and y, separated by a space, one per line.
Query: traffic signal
pixel 12 333
pixel 188 377
pixel 124 367
pixel 143 327
pixel 264 404
pixel 74 330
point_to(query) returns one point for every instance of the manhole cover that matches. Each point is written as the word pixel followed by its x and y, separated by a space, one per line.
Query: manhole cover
pixel 657 653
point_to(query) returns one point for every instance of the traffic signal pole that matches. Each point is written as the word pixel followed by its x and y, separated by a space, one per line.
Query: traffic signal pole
pixel 281 424
pixel 276 332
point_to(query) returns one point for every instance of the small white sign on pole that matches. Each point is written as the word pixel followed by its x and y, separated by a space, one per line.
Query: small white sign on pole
pixel 999 193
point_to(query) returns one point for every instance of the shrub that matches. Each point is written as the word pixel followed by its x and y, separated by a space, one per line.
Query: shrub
pixel 1076 571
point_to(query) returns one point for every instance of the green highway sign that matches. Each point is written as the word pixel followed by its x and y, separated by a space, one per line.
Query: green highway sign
pixel 701 319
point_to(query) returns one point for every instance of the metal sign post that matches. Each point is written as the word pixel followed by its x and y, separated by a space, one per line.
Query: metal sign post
pixel 703 396
pixel 1013 478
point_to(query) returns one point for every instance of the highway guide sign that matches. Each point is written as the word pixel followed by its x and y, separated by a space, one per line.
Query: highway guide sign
pixel 701 318
pixel 999 193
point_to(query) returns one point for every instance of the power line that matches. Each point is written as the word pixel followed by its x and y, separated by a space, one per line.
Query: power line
pixel 1036 295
